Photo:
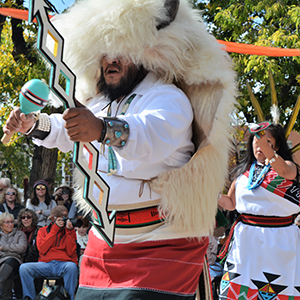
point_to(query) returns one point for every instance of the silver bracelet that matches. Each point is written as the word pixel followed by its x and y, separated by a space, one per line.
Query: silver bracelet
pixel 115 132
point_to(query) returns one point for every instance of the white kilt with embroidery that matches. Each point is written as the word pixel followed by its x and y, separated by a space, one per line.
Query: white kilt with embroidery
pixel 263 262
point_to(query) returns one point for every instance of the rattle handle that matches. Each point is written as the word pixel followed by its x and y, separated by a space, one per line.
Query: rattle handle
pixel 6 138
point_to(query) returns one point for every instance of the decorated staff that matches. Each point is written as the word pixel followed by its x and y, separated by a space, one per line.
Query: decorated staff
pixel 147 72
pixel 86 163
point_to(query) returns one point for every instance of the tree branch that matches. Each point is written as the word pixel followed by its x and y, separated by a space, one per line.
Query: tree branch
pixel 20 45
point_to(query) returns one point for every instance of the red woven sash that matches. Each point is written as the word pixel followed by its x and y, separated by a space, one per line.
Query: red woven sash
pixel 267 221
pixel 253 220
pixel 138 217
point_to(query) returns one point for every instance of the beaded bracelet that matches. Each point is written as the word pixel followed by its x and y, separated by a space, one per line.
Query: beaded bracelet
pixel 271 160
pixel 41 128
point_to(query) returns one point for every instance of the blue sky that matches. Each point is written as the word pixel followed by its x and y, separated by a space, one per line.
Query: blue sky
pixel 60 5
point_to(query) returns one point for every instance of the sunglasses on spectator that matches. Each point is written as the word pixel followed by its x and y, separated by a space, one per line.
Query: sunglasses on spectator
pixel 26 217
pixel 41 188
pixel 11 193
pixel 8 222
pixel 1 190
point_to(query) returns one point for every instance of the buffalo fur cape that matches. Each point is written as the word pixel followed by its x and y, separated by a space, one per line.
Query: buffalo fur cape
pixel 183 53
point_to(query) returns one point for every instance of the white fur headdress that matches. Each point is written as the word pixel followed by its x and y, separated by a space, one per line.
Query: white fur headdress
pixel 183 53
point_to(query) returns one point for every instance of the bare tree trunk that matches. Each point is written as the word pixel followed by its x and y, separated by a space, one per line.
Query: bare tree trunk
pixel 43 167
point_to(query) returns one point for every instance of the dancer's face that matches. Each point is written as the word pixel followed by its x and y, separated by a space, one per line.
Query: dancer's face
pixel 258 154
pixel 119 77
pixel 115 70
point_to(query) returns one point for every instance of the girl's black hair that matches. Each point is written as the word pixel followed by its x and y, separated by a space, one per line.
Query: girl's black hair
pixel 278 134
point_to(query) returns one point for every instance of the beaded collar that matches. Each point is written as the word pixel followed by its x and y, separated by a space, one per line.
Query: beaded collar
pixel 257 174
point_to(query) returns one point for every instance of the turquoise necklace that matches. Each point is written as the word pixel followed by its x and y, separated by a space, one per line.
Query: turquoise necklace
pixel 253 185
pixel 112 161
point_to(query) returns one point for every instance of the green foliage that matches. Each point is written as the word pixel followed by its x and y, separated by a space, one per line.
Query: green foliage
pixel 15 158
pixel 63 162
pixel 15 161
pixel 13 74
pixel 271 23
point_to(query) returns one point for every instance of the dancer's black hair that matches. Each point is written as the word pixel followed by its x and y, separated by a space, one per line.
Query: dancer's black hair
pixel 278 134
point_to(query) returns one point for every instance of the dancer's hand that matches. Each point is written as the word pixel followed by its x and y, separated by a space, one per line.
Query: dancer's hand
pixel 18 122
pixel 82 125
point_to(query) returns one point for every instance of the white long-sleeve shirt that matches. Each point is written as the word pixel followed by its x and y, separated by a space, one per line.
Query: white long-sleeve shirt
pixel 160 121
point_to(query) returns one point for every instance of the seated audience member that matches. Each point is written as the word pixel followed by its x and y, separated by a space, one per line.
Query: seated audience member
pixel 11 202
pixel 4 184
pixel 41 202
pixel 64 195
pixel 27 222
pixel 82 235
pixel 12 248
pixel 57 255
pixel 56 196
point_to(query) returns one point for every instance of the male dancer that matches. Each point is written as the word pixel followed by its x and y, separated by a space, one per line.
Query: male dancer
pixel 149 69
